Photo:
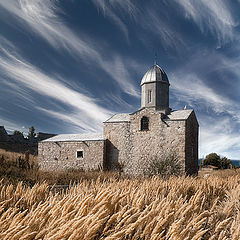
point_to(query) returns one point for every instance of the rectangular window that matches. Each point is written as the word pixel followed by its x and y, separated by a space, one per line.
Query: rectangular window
pixel 149 96
pixel 79 154
pixel 144 123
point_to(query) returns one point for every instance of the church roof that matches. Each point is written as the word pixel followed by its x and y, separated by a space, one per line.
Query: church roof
pixel 122 117
pixel 174 115
pixel 76 137
pixel 179 115
pixel 155 73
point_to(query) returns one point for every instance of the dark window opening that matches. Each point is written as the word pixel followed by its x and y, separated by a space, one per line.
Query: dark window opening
pixel 144 123
pixel 79 154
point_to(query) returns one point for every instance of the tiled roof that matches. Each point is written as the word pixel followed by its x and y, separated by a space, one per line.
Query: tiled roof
pixel 122 117
pixel 179 115
pixel 174 115
pixel 76 137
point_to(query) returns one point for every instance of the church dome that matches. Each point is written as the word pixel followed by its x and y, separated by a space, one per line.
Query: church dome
pixel 155 73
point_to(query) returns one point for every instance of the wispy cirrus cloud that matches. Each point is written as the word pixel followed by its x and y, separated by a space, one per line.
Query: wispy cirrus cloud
pixel 219 128
pixel 75 119
pixel 214 16
pixel 218 110
pixel 11 126
pixel 189 88
pixel 219 135
pixel 193 81
pixel 43 20
pixel 145 15
pixel 109 10
pixel 157 25
pixel 88 114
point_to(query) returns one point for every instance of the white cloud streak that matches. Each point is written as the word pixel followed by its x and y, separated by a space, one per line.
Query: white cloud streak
pixel 214 15
pixel 218 131
pixel 108 7
pixel 168 35
pixel 78 122
pixel 11 126
pixel 145 16
pixel 117 10
pixel 218 136
pixel 88 113
pixel 193 81
pixel 218 111
pixel 190 88
pixel 42 18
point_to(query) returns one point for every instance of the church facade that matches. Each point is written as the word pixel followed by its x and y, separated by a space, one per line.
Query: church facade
pixel 130 141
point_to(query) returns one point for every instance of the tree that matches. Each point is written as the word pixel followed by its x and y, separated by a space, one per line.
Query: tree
pixel 215 160
pixel 212 159
pixel 226 163
pixel 16 132
pixel 31 133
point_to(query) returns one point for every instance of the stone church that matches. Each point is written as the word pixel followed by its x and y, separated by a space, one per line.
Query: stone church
pixel 130 140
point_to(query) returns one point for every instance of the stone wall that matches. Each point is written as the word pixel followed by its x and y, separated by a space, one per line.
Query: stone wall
pixel 128 148
pixel 161 138
pixel 118 144
pixel 191 167
pixel 134 148
pixel 54 156
pixel 159 96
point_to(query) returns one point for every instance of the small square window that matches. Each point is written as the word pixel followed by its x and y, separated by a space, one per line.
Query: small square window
pixel 79 154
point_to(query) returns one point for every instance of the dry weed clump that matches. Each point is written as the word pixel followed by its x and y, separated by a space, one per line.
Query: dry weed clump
pixel 13 156
pixel 15 167
pixel 18 166
pixel 110 208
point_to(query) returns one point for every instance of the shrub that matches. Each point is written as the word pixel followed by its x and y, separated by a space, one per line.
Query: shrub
pixel 165 165
pixel 16 132
pixel 226 163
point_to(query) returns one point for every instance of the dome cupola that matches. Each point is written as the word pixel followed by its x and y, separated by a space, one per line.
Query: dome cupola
pixel 155 73
pixel 155 89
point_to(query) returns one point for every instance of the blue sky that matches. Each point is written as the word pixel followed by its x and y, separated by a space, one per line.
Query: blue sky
pixel 68 65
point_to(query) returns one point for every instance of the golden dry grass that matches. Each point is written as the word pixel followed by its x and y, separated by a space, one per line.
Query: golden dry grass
pixel 150 208
pixel 13 169
pixel 11 172
pixel 12 156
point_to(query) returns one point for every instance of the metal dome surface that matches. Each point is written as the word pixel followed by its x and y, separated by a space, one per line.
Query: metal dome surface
pixel 155 73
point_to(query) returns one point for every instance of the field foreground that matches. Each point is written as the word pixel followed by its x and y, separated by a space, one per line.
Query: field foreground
pixel 177 208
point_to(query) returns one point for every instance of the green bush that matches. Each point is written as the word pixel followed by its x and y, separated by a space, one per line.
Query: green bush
pixel 215 160
pixel 165 165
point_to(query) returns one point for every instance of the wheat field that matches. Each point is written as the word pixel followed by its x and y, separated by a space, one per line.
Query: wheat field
pixel 138 208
